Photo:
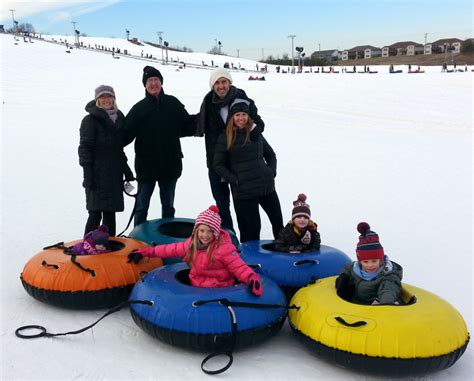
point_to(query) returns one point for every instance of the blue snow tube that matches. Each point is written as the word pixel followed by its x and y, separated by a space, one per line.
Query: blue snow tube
pixel 168 230
pixel 292 271
pixel 192 317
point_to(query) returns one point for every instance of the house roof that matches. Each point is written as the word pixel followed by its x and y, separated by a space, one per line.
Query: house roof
pixel 362 47
pixel 324 52
pixel 403 44
pixel 446 41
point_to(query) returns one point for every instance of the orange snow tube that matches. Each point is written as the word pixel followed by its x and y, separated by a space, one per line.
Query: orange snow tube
pixel 56 277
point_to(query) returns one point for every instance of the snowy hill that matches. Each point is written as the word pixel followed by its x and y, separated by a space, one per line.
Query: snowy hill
pixel 394 150
pixel 144 50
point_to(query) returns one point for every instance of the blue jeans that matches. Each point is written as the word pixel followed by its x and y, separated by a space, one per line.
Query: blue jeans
pixel 145 191
pixel 221 193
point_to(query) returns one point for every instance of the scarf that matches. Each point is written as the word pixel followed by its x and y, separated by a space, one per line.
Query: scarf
pixel 215 100
pixel 387 267
pixel 112 113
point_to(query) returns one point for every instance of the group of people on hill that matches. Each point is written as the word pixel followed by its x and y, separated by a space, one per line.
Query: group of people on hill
pixel 240 162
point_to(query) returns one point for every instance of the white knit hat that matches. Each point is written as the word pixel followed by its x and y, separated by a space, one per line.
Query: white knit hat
pixel 218 73
pixel 211 218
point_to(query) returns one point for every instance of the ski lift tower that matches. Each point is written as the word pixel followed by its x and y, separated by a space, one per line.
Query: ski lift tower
pixel 300 49
pixel 166 43
pixel 13 20
pixel 160 39
pixel 74 30
pixel 78 33
pixel 292 36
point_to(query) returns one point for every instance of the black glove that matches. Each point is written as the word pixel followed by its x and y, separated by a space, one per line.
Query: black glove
pixel 88 182
pixel 255 285
pixel 134 257
pixel 345 287
pixel 342 281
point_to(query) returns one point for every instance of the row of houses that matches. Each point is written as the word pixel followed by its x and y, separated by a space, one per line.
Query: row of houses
pixel 407 48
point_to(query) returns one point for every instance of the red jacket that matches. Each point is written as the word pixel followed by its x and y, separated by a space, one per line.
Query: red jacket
pixel 220 273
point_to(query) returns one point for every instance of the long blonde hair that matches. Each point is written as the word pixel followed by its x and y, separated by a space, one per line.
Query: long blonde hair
pixel 193 248
pixel 230 132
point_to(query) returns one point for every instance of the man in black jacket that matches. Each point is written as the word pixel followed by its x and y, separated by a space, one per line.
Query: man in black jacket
pixel 212 121
pixel 156 123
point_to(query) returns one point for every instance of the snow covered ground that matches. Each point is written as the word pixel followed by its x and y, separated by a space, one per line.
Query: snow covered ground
pixel 391 149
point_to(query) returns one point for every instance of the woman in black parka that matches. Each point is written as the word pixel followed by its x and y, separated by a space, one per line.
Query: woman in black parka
pixel 103 160
pixel 249 166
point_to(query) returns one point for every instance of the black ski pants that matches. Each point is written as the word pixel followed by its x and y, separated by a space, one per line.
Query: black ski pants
pixel 107 218
pixel 248 216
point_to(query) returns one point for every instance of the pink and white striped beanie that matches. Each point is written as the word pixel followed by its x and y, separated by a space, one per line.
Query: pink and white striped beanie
pixel 211 218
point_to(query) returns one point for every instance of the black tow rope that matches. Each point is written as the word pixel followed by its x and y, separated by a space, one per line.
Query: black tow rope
pixel 233 318
pixel 68 251
pixel 90 271
pixel 125 185
pixel 43 333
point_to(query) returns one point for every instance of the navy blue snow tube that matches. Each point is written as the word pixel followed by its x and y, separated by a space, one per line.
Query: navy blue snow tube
pixel 168 230
pixel 292 271
pixel 189 317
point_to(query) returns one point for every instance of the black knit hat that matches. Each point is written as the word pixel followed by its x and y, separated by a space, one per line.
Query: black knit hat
pixel 150 71
pixel 238 105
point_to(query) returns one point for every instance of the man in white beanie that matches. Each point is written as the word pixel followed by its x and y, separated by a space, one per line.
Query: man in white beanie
pixel 212 121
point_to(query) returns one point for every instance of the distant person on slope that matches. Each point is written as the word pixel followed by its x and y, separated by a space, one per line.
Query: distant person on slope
pixel 157 122
pixel 103 160
pixel 212 122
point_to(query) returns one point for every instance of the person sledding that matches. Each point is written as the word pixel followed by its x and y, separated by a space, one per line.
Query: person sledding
pixel 372 279
pixel 213 259
pixel 94 242
pixel 301 233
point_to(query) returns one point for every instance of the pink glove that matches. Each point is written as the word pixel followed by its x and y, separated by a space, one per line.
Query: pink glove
pixel 255 285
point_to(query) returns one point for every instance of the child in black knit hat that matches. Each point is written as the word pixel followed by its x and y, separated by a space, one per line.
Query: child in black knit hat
pixel 301 233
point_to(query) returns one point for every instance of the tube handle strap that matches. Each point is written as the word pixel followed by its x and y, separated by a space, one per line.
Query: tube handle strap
pixel 356 324
pixel 46 264
pixel 306 262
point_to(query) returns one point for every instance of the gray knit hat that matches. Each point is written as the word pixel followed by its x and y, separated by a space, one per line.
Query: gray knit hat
pixel 103 90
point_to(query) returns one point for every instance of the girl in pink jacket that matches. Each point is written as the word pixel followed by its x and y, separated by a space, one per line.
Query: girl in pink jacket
pixel 209 252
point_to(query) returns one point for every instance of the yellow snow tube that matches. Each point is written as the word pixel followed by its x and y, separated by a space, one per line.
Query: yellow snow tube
pixel 424 335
